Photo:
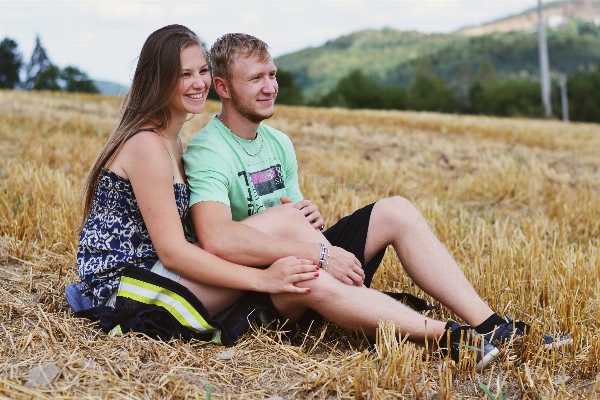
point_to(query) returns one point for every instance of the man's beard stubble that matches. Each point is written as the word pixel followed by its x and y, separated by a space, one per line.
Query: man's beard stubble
pixel 248 112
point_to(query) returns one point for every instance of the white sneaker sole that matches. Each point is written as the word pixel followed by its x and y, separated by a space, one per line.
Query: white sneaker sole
pixel 487 360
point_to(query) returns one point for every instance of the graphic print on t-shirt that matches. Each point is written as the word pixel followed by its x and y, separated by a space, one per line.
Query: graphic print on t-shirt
pixel 262 183
pixel 268 180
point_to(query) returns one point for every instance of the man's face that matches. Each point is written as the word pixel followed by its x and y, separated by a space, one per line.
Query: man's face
pixel 253 87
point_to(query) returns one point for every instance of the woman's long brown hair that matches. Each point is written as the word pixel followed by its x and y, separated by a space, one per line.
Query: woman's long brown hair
pixel 154 81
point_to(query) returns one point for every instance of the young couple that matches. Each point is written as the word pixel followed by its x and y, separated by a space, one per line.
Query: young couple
pixel 258 248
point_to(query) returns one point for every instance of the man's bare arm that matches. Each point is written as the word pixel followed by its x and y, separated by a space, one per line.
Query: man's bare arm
pixel 241 243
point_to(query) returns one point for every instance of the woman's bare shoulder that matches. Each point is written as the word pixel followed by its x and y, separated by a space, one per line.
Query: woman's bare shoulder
pixel 145 151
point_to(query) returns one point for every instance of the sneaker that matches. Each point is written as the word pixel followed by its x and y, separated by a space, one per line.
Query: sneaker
pixel 513 331
pixel 457 336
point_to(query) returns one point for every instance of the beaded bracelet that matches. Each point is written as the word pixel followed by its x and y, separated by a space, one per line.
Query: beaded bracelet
pixel 328 258
pixel 322 255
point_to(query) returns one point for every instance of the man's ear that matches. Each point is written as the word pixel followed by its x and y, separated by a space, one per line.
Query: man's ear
pixel 220 86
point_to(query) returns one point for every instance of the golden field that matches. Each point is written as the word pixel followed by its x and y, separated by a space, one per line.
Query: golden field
pixel 517 203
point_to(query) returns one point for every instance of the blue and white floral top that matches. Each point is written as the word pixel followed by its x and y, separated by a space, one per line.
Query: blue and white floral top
pixel 116 236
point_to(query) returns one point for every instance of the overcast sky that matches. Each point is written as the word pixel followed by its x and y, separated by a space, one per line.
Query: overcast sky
pixel 104 37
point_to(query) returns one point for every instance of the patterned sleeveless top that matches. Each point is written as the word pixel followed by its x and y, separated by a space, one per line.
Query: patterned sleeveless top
pixel 116 236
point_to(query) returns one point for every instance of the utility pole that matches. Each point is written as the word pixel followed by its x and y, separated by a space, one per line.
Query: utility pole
pixel 563 97
pixel 544 64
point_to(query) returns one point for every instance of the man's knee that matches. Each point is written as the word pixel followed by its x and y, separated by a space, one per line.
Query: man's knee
pixel 293 305
pixel 294 221
pixel 398 210
pixel 324 288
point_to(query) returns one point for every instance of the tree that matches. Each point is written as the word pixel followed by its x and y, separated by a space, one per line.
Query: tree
pixel 424 68
pixel 357 90
pixel 289 92
pixel 464 76
pixel 360 91
pixel 584 96
pixel 10 64
pixel 486 76
pixel 39 70
pixel 41 74
pixel 510 98
pixel 394 98
pixel 47 79
pixel 431 94
pixel 77 81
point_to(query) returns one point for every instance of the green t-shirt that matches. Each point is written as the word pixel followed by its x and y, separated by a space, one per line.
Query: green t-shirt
pixel 218 169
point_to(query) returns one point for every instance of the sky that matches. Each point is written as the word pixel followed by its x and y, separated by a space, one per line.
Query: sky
pixel 104 37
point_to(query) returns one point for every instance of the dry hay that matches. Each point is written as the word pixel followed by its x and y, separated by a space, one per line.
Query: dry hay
pixel 515 201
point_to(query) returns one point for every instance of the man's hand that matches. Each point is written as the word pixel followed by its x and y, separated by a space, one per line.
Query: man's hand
pixel 345 267
pixel 310 211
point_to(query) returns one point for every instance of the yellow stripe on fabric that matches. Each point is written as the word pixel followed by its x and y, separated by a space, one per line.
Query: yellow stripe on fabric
pixel 180 308
pixel 217 337
pixel 116 331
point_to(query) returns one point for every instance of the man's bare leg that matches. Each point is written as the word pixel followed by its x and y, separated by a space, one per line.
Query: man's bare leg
pixel 397 222
pixel 347 306
pixel 356 308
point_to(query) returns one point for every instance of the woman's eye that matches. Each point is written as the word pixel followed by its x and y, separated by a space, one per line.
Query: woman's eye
pixel 186 75
pixel 204 71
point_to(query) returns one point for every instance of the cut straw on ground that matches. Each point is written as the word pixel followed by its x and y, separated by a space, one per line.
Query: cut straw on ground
pixel 515 201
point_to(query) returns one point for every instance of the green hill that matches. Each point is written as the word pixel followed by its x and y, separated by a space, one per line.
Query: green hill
pixel 389 56
pixel 111 88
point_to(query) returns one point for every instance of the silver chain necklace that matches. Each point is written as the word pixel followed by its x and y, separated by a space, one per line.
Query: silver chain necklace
pixel 262 140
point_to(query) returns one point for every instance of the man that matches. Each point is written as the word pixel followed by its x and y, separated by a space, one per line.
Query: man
pixel 241 171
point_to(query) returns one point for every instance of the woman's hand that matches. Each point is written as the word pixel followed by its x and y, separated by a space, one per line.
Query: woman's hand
pixel 284 273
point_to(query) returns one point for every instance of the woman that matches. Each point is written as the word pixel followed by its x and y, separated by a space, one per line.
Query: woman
pixel 136 203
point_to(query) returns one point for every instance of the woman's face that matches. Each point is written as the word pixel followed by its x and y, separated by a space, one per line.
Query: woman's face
pixel 194 82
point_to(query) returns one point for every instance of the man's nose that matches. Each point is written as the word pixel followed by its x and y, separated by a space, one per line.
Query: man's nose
pixel 270 86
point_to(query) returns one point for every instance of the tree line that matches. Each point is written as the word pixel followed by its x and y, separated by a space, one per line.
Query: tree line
pixel 485 95
pixel 40 72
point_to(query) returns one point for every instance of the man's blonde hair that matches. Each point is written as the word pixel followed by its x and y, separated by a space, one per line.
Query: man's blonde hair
pixel 225 50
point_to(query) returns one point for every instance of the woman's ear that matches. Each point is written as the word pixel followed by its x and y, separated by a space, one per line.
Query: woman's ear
pixel 220 86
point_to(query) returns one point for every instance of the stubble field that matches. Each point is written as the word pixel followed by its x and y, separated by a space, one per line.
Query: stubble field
pixel 516 202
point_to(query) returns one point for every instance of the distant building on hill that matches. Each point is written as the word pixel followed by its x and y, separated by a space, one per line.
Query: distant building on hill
pixel 557 14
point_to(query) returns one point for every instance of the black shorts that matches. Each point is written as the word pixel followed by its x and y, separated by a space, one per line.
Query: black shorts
pixel 350 233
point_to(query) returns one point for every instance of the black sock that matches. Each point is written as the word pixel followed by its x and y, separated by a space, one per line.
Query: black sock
pixel 489 324
pixel 451 325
